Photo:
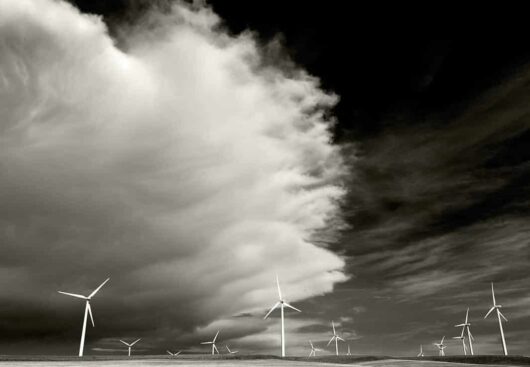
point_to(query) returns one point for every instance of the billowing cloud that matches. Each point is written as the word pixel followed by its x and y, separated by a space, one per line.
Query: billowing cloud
pixel 184 168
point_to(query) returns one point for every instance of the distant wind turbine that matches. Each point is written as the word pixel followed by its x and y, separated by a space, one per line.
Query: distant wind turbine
pixel 463 338
pixel 499 315
pixel 88 311
pixel 420 354
pixel 214 348
pixel 441 346
pixel 336 338
pixel 281 302
pixel 314 350
pixel 130 345
pixel 465 326
pixel 174 354
pixel 230 351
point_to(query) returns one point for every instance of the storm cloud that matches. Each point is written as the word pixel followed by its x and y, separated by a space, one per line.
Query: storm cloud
pixel 182 166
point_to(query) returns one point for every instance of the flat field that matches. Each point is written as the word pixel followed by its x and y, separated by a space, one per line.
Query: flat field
pixel 261 361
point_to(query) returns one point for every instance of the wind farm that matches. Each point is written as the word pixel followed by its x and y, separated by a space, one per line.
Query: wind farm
pixel 233 357
pixel 212 182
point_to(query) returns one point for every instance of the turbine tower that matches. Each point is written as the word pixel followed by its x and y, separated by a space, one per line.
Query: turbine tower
pixel 441 346
pixel 420 354
pixel 282 303
pixel 88 311
pixel 230 351
pixel 499 315
pixel 349 353
pixel 130 345
pixel 465 327
pixel 336 338
pixel 214 348
pixel 314 350
pixel 174 354
pixel 463 338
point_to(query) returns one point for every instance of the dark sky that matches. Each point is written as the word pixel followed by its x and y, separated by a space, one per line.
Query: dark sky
pixel 433 120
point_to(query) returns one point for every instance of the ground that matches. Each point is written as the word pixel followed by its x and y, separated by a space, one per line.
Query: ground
pixel 263 361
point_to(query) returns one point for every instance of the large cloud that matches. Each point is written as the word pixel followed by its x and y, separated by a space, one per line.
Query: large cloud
pixel 183 168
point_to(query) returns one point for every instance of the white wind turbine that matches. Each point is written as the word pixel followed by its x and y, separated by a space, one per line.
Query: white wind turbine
pixel 88 311
pixel 420 354
pixel 441 346
pixel 314 350
pixel 336 338
pixel 174 354
pixel 281 302
pixel 130 345
pixel 499 315
pixel 463 338
pixel 465 326
pixel 231 351
pixel 214 348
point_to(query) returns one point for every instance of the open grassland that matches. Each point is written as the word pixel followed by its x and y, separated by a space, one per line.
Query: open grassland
pixel 260 361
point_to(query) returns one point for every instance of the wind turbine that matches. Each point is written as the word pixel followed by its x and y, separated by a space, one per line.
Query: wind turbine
pixel 282 303
pixel 174 354
pixel 230 351
pixel 465 326
pixel 499 315
pixel 214 348
pixel 441 346
pixel 88 311
pixel 336 338
pixel 349 353
pixel 463 338
pixel 420 354
pixel 130 345
pixel 314 350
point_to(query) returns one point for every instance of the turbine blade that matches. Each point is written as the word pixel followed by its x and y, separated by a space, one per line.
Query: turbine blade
pixel 217 350
pixel 215 337
pixel 176 354
pixel 98 288
pixel 90 313
pixel 333 326
pixel 441 343
pixel 124 342
pixel 467 315
pixel 272 309
pixel 459 325
pixel 338 337
pixel 332 338
pixel 168 352
pixel 470 336
pixel 134 342
pixel 207 343
pixel 73 295
pixel 311 344
pixel 493 294
pixel 490 311
pixel 278 284
pixel 294 308
pixel 505 319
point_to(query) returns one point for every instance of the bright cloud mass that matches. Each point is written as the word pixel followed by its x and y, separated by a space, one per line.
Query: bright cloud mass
pixel 180 166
